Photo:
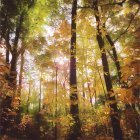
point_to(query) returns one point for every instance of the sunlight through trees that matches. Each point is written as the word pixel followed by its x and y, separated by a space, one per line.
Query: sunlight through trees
pixel 70 70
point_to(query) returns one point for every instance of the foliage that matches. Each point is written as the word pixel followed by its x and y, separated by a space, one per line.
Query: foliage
pixel 45 38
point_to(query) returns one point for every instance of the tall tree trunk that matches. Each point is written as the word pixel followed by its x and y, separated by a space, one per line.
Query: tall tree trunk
pixel 115 56
pixel 95 93
pixel 21 74
pixel 56 102
pixel 101 79
pixel 90 94
pixel 117 132
pixel 20 86
pixel 8 49
pixel 115 59
pixel 4 24
pixel 40 94
pixel 83 82
pixel 5 105
pixel 8 46
pixel 13 69
pixel 83 96
pixel 28 98
pixel 88 82
pixel 74 109
pixel 122 83
pixel 7 56
pixel 7 64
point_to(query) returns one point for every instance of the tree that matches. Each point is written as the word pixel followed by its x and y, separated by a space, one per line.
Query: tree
pixel 13 19
pixel 117 132
pixel 74 110
pixel 114 51
pixel 21 73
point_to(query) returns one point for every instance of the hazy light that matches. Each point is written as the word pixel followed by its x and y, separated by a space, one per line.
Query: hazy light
pixel 61 60
pixel 89 71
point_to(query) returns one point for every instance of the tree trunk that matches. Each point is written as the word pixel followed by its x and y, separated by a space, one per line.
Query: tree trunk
pixel 28 99
pixel 122 83
pixel 56 102
pixel 117 132
pixel 7 60
pixel 8 46
pixel 74 109
pixel 21 74
pixel 18 119
pixel 40 94
pixel 84 97
pixel 83 88
pixel 13 69
pixel 90 94
pixel 7 56
pixel 115 59
pixel 88 82
pixel 113 105
pixel 101 79
pixel 115 56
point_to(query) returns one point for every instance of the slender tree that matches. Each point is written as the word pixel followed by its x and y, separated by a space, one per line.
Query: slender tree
pixel 29 94
pixel 21 73
pixel 13 69
pixel 74 110
pixel 114 51
pixel 40 91
pixel 117 132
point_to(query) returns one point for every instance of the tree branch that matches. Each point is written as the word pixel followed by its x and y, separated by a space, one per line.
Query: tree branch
pixel 131 20
pixel 137 1
pixel 116 3
pixel 107 4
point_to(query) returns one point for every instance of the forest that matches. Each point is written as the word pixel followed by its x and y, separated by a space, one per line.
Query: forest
pixel 70 70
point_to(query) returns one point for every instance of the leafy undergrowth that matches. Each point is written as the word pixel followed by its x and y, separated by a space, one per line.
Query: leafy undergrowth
pixel 95 125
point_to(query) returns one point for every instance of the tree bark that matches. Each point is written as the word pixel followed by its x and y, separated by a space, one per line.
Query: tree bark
pixel 40 94
pixel 74 110
pixel 117 132
pixel 56 101
pixel 8 49
pixel 7 56
pixel 13 69
pixel 21 73
pixel 28 98
pixel 115 56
